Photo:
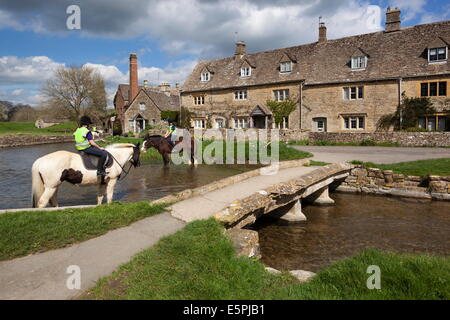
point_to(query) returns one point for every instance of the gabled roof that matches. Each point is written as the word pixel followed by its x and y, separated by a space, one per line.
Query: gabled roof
pixel 169 100
pixel 359 52
pixel 393 55
pixel 438 42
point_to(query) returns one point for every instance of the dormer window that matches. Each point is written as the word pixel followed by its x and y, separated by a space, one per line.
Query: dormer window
pixel 285 67
pixel 437 54
pixel 359 63
pixel 206 76
pixel 246 72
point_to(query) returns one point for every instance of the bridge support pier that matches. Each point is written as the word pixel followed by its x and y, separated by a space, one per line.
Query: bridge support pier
pixel 295 214
pixel 323 197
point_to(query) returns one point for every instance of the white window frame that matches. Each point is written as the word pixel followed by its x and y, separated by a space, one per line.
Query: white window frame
pixel 142 106
pixel 206 76
pixel 359 125
pixel 241 123
pixel 220 120
pixel 359 63
pixel 347 93
pixel 246 72
pixel 281 95
pixel 437 54
pixel 286 67
pixel 199 123
pixel 199 100
pixel 240 95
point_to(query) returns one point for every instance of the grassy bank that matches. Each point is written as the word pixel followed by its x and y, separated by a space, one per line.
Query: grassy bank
pixel 198 262
pixel 22 233
pixel 28 128
pixel 285 152
pixel 440 167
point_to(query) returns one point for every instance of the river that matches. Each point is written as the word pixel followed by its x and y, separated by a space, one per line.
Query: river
pixel 354 223
pixel 148 182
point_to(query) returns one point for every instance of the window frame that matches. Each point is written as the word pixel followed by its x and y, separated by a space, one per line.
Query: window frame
pixel 240 95
pixel 440 87
pixel 199 100
pixel 437 60
pixel 358 94
pixel 205 76
pixel 357 65
pixel 202 121
pixel 246 74
pixel 285 63
pixel 281 95
pixel 356 120
pixel 142 106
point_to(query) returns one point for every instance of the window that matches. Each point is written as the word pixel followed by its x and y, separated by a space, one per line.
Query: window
pixel 199 123
pixel 359 63
pixel 283 125
pixel 199 100
pixel 246 72
pixel 437 54
pixel 241 123
pixel 142 106
pixel 206 76
pixel 281 95
pixel 353 93
pixel 285 67
pixel 354 122
pixel 219 123
pixel 240 95
pixel 433 89
pixel 131 124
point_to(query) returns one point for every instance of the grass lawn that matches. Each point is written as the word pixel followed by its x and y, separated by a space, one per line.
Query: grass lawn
pixel 440 167
pixel 22 233
pixel 363 143
pixel 199 262
pixel 285 152
pixel 28 128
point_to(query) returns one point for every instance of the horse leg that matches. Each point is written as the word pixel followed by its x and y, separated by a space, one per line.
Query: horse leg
pixel 46 196
pixel 110 190
pixel 101 193
pixel 53 199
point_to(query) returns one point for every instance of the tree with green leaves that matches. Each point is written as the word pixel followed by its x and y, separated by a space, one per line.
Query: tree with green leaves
pixel 281 109
pixel 407 114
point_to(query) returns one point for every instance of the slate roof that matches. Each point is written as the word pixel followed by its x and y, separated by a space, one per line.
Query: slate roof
pixel 396 54
pixel 162 100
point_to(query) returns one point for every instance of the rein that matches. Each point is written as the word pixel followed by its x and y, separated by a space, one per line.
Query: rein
pixel 123 168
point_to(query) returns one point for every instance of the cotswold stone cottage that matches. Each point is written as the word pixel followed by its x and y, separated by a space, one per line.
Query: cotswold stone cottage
pixel 139 106
pixel 342 85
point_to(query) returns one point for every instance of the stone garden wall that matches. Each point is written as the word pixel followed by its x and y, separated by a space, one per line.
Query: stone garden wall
pixel 29 140
pixel 385 182
pixel 407 139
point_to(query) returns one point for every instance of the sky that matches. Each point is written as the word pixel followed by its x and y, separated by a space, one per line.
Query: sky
pixel 170 36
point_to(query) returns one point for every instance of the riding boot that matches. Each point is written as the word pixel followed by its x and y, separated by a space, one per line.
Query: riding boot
pixel 101 166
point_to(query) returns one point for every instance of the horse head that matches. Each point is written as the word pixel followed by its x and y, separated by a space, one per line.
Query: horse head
pixel 151 141
pixel 135 158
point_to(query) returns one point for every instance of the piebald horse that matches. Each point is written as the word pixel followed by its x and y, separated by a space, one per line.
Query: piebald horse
pixel 49 171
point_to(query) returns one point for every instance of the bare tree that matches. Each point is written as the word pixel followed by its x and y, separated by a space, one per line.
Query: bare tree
pixel 77 90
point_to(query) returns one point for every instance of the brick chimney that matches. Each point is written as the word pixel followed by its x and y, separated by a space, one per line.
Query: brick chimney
pixel 322 32
pixel 240 48
pixel 393 20
pixel 133 77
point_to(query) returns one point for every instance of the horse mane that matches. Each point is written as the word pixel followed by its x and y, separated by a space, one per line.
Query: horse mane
pixel 120 145
pixel 155 136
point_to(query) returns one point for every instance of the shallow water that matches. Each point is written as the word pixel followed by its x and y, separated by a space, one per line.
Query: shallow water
pixel 148 182
pixel 355 223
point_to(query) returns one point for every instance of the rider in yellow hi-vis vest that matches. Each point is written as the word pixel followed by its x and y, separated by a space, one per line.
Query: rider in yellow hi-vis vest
pixel 84 141
pixel 171 133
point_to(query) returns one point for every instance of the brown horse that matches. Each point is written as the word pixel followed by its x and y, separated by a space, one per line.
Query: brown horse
pixel 163 146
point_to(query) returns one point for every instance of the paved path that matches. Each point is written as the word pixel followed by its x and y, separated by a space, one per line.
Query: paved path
pixel 43 276
pixel 373 154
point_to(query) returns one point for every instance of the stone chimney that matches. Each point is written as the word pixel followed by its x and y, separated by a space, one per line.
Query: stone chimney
pixel 164 86
pixel 177 85
pixel 145 83
pixel 133 77
pixel 322 32
pixel 240 48
pixel 393 20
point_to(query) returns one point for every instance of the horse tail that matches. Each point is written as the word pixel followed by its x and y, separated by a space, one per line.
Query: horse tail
pixel 37 185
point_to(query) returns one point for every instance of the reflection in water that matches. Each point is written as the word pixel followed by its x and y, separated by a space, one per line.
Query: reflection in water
pixel 355 223
pixel 148 182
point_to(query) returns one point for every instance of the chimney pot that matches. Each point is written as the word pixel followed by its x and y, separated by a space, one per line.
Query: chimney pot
pixel 240 48
pixel 145 83
pixel 393 20
pixel 322 32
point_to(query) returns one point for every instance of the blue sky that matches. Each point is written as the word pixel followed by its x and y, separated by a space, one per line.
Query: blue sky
pixel 169 36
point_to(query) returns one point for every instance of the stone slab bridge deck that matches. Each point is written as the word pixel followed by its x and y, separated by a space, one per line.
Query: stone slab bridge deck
pixel 236 200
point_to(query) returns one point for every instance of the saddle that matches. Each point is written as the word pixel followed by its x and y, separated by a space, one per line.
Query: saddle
pixel 90 162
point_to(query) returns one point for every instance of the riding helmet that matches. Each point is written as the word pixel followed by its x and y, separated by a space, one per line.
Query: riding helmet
pixel 85 120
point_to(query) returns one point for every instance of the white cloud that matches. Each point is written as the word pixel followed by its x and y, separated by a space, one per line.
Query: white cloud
pixel 26 70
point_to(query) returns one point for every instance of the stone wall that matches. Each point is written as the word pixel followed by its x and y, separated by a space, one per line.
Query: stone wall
pixel 385 182
pixel 407 139
pixel 29 140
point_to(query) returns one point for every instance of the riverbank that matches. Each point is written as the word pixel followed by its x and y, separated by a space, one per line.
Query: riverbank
pixel 199 262
pixel 8 141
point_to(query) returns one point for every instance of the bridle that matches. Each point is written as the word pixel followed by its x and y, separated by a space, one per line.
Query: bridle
pixel 123 167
